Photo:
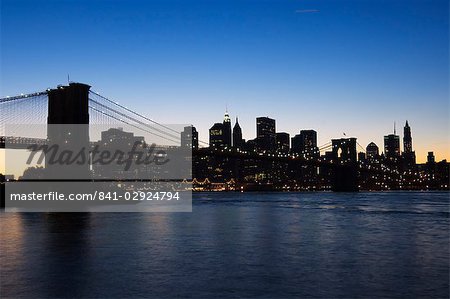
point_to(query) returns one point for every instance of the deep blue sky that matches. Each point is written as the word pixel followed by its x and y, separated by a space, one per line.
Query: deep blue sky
pixel 354 66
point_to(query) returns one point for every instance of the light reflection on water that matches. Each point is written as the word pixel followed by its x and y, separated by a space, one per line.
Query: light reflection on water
pixel 236 245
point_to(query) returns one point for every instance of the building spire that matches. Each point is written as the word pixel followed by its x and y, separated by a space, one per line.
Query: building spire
pixel 394 128
pixel 226 117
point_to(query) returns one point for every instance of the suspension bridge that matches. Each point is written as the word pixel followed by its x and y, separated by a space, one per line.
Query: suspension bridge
pixel 78 104
pixel 27 110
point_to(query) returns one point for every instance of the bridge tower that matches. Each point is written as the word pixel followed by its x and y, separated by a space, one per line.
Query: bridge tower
pixel 68 127
pixel 345 172
pixel 69 104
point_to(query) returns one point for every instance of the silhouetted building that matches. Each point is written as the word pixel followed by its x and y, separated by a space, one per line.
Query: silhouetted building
pixel 407 139
pixel 430 158
pixel 117 136
pixel 430 166
pixel 238 142
pixel 409 156
pixel 372 151
pixel 250 145
pixel 342 169
pixel 194 138
pixel 216 136
pixel 282 143
pixel 112 141
pixel 361 156
pixel 392 146
pixel 442 175
pixel 305 144
pixel 227 130
pixel 265 134
pixel 296 142
pixel 189 137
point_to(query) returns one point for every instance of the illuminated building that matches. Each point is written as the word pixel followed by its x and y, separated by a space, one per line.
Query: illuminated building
pixel 216 136
pixel 226 130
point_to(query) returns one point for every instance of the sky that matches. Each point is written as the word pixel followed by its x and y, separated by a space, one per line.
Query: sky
pixel 337 67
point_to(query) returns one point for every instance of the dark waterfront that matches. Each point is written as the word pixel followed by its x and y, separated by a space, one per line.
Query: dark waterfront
pixel 265 245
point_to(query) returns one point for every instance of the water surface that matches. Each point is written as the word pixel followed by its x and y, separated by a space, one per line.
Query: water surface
pixel 265 245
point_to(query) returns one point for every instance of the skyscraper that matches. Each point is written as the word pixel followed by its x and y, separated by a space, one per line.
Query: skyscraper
pixel 194 138
pixel 305 144
pixel 189 137
pixel 296 146
pixel 227 130
pixel 407 139
pixel 282 143
pixel 409 156
pixel 265 134
pixel 216 136
pixel 238 142
pixel 392 146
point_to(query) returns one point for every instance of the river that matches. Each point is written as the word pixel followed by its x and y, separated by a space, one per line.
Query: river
pixel 252 245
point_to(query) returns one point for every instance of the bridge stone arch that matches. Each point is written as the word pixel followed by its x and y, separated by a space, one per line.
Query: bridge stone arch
pixel 344 150
pixel 345 172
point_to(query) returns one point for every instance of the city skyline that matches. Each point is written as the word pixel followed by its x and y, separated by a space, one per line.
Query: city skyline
pixel 397 129
pixel 351 67
pixel 285 143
